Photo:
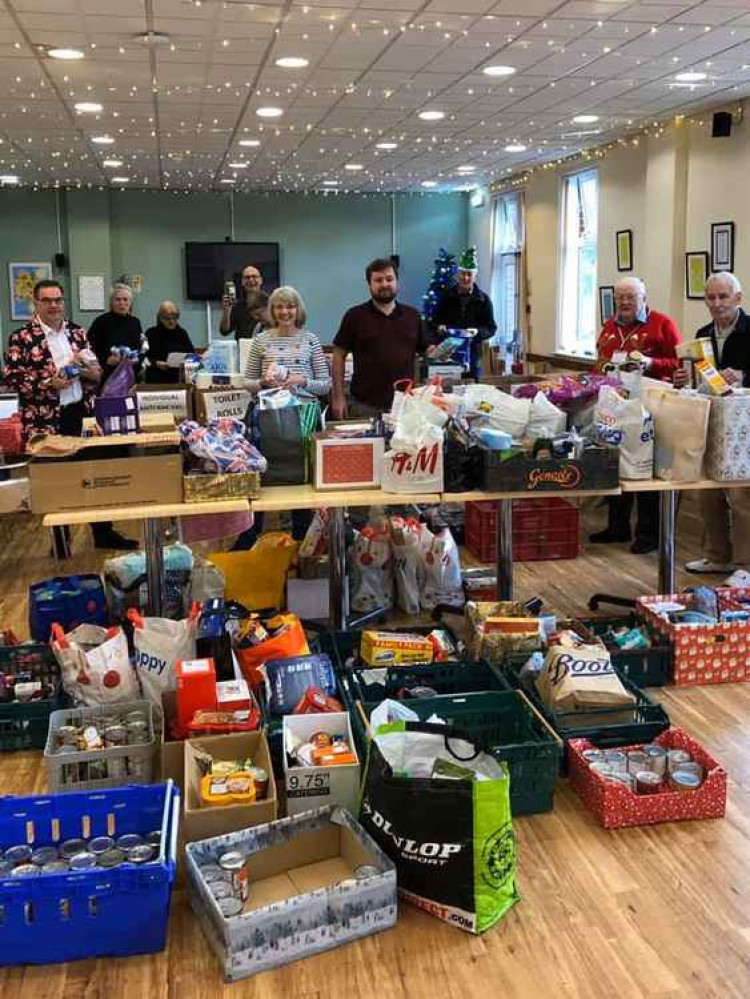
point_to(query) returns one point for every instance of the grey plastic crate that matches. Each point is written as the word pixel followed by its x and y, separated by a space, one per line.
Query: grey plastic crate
pixel 115 766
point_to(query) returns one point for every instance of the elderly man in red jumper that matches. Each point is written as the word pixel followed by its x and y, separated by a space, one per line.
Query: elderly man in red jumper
pixel 647 338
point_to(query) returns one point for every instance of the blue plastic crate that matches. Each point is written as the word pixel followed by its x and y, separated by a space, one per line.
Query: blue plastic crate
pixel 96 913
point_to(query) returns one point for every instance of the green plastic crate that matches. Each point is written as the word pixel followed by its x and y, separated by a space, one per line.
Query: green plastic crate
pixel 504 724
pixel 644 667
pixel 24 726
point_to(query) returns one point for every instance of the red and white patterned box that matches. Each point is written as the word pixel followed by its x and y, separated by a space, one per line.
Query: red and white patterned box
pixel 703 653
pixel 616 806
pixel 347 462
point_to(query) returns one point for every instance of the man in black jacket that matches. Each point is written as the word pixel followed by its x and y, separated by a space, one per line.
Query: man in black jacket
pixel 725 512
pixel 465 306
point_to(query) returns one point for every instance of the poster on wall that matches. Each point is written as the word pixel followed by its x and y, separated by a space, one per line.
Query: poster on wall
pixel 722 246
pixel 696 273
pixel 22 278
pixel 624 242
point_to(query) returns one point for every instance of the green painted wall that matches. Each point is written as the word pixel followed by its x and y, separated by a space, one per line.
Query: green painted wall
pixel 325 242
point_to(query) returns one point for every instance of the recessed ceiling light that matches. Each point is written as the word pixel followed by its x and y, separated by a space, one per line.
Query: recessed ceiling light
pixel 227 180
pixel 9 178
pixel 102 140
pixel 353 166
pixel 585 119
pixel 249 143
pixel 466 168
pixel 387 145
pixel 292 62
pixel 112 163
pixel 429 183
pixel 690 77
pixel 330 183
pixel 120 180
pixel 269 112
pixel 498 70
pixel 154 38
pixel 65 53
pixel 239 166
pixel 515 147
pixel 88 107
pixel 431 115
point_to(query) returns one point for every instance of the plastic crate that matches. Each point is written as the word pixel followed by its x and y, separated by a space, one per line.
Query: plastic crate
pixel 96 913
pixel 507 726
pixel 645 667
pixel 642 722
pixel 102 768
pixel 543 529
pixel 24 725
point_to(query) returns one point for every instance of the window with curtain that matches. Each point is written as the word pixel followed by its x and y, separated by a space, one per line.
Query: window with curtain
pixel 577 304
pixel 507 238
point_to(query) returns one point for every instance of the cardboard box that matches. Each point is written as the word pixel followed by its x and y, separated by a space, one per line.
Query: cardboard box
pixel 304 897
pixel 174 399
pixel 313 787
pixel 15 496
pixel 81 483
pixel 204 822
pixel 210 404
pixel 346 462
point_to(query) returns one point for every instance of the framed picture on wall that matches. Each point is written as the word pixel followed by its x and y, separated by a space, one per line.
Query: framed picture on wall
pixel 624 249
pixel 21 279
pixel 722 246
pixel 606 301
pixel 696 273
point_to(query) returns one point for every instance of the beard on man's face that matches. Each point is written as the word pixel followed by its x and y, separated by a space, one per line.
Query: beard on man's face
pixel 384 294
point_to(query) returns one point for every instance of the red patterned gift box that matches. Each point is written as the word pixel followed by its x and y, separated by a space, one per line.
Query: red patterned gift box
pixel 704 653
pixel 616 806
pixel 347 462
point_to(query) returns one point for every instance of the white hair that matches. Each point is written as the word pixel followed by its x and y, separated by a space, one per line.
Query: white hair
pixel 633 283
pixel 117 288
pixel 731 279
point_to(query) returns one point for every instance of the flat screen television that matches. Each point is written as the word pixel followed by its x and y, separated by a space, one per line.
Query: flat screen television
pixel 209 265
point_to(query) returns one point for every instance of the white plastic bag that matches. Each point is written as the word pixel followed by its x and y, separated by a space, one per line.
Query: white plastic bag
pixel 414 467
pixel 159 644
pixel 408 538
pixel 371 575
pixel 545 419
pixel 95 664
pixel 315 541
pixel 442 572
pixel 498 409
pixel 627 424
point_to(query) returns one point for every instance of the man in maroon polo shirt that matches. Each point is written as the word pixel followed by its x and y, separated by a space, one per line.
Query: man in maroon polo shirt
pixel 383 336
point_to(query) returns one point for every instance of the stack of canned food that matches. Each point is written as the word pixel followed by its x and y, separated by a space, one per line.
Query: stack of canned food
pixel 75 855
pixel 113 731
pixel 648 770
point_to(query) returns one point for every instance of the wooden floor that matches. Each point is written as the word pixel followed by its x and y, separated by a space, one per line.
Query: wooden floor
pixel 653 912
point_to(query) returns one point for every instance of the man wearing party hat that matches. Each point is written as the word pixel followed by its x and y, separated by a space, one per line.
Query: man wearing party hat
pixel 466 306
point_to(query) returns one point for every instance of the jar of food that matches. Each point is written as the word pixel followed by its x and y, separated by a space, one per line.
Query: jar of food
pixel 657 759
pixel 680 780
pixel 691 768
pixel 676 757
pixel 647 782
pixel 617 760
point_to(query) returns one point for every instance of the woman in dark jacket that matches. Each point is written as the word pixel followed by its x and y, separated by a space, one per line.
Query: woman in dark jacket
pixel 165 338
pixel 116 328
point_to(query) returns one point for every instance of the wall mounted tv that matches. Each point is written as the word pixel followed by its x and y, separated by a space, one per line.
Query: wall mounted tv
pixel 209 265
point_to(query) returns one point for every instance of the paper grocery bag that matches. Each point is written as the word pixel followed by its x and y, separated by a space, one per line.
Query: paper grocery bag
pixel 581 679
pixel 680 431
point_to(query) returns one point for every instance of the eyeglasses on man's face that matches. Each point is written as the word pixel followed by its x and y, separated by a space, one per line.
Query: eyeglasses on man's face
pixel 52 301
pixel 170 315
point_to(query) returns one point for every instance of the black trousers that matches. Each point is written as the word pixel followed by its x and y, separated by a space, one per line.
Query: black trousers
pixel 70 424
pixel 647 521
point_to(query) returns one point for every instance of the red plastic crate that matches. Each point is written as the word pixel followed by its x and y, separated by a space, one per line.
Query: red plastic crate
pixel 542 529
pixel 616 805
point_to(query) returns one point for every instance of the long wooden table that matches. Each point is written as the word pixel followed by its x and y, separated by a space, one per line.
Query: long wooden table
pixel 284 498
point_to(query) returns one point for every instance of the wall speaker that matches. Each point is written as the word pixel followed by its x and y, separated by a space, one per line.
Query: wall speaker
pixel 721 127
pixel 61 261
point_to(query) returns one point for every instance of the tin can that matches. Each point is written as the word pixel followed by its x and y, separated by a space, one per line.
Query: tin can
pixel 141 854
pixel 233 863
pixel 116 735
pixel 83 861
pixel 229 907
pixel 20 854
pixel 25 871
pixel 647 782
pixel 691 768
pixel 260 777
pixel 657 759
pixel 213 875
pixel 137 733
pixel 44 855
pixel 6 868
pixel 681 780
pixel 676 757
pixel 112 858
pixel 67 735
pixel 100 845
pixel 154 838
pixel 136 716
pixel 56 867
pixel 71 847
pixel 221 890
pixel 128 840
pixel 365 871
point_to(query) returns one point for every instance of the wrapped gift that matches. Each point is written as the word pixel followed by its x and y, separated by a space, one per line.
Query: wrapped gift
pixel 728 446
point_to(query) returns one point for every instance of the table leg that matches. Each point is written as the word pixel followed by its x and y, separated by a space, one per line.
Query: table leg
pixel 505 549
pixel 337 559
pixel 667 503
pixel 153 542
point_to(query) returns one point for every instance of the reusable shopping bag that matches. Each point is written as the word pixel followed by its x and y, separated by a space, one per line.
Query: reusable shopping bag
pixel 95 664
pixel 159 644
pixel 680 432
pixel 628 425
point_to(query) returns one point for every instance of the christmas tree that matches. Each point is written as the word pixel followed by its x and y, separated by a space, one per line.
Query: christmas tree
pixel 442 278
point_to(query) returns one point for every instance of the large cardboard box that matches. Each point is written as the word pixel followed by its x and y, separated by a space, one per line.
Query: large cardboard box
pixel 204 822
pixel 81 483
pixel 210 404
pixel 313 787
pixel 176 399
pixel 304 894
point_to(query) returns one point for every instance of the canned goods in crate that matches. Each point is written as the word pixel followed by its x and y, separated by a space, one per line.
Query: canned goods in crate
pixel 221 890
pixel 83 861
pixel 71 847
pixel 67 735
pixel 141 854
pixel 44 855
pixel 25 871
pixel 137 733
pixel 229 907
pixel 233 863
pixel 56 867
pixel 116 735
pixel 20 854
pixel 100 845
pixel 128 840
pixel 112 858
pixel 154 837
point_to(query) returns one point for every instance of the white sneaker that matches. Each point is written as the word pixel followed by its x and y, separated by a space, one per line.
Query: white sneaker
pixel 704 565
pixel 740 577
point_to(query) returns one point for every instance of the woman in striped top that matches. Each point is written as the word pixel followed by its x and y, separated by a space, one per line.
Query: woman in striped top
pixel 287 345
